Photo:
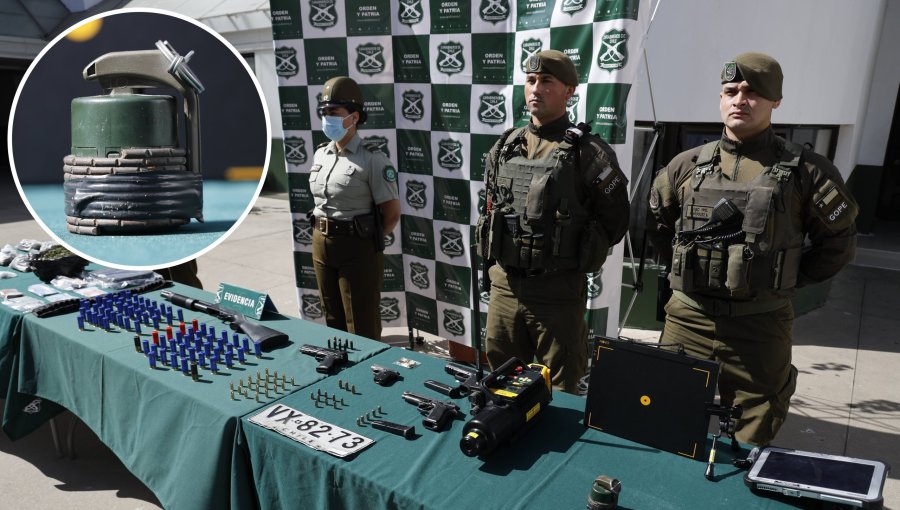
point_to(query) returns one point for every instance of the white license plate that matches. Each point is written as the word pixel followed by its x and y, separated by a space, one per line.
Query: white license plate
pixel 311 431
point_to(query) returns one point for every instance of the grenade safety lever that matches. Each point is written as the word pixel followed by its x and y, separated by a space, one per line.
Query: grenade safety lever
pixel 124 71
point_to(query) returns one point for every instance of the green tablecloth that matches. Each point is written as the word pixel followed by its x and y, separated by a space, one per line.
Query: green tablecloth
pixel 551 467
pixel 18 422
pixel 174 434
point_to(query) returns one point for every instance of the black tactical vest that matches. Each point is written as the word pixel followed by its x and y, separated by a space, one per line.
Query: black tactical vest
pixel 537 221
pixel 762 250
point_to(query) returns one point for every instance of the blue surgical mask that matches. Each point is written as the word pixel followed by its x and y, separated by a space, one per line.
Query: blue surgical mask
pixel 333 127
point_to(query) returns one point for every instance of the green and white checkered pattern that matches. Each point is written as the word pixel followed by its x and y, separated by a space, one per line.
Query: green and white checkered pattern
pixel 441 80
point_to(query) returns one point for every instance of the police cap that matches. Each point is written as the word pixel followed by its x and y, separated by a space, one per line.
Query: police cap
pixel 553 62
pixel 344 92
pixel 341 91
pixel 761 71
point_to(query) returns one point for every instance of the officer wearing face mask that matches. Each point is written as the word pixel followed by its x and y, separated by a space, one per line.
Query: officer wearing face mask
pixel 356 205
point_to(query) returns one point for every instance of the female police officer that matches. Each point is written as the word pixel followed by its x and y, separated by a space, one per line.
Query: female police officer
pixel 356 205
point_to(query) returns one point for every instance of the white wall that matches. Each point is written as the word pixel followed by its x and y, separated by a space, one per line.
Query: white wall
pixel 827 49
pixel 259 42
pixel 883 90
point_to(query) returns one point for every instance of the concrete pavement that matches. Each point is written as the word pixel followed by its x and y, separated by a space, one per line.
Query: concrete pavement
pixel 847 400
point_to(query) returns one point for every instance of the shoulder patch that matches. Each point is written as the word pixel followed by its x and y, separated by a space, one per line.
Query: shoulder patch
pixel 321 145
pixel 390 173
pixel 833 207
pixel 609 180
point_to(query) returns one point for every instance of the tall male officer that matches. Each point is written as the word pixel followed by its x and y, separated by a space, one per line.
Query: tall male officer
pixel 356 205
pixel 732 216
pixel 556 202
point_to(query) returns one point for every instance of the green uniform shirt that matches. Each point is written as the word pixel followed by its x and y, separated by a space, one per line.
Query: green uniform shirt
pixel 345 183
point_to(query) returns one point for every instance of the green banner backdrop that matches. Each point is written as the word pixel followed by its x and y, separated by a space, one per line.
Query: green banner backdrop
pixel 442 79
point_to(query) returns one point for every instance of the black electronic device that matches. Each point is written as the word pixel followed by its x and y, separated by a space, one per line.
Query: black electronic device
pixel 652 396
pixel 832 478
pixel 508 401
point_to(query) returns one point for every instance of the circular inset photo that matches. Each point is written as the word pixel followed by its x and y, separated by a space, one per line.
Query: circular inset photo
pixel 139 138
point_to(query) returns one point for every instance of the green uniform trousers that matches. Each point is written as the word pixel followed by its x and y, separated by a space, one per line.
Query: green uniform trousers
pixel 539 317
pixel 349 273
pixel 755 355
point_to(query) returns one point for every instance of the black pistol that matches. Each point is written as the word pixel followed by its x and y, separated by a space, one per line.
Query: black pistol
pixel 385 376
pixel 437 412
pixel 266 337
pixel 329 359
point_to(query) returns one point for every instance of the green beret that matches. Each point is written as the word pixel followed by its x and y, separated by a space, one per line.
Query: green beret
pixel 761 71
pixel 553 62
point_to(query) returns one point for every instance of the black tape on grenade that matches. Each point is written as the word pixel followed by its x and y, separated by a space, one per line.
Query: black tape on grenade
pixel 141 191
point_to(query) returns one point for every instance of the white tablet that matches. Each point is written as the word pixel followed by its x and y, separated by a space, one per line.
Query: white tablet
pixel 845 480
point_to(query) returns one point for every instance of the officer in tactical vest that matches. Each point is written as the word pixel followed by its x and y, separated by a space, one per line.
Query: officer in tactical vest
pixel 556 202
pixel 356 205
pixel 732 216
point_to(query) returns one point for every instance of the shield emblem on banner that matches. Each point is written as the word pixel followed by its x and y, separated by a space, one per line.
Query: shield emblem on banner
pixel 492 110
pixel 370 58
pixel 389 308
pixel 450 154
pixel 415 194
pixel 302 232
pixel 595 284
pixel 494 11
pixel 412 108
pixel 411 12
pixel 571 105
pixel 451 242
pixel 323 14
pixel 377 143
pixel 482 196
pixel 418 275
pixel 312 306
pixel 613 50
pixel 483 295
pixel 450 58
pixel 295 150
pixel 389 240
pixel 453 323
pixel 530 47
pixel 621 117
pixel 286 62
pixel 572 6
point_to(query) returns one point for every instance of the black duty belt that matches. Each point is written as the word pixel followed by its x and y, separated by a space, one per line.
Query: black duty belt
pixel 520 272
pixel 729 308
pixel 332 227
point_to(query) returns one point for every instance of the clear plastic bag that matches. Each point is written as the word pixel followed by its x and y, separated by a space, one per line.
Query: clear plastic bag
pixel 121 278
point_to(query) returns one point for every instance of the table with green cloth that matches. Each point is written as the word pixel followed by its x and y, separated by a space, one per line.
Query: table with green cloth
pixel 552 466
pixel 22 413
pixel 172 433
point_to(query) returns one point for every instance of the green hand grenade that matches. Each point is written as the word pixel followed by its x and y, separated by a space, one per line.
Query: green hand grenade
pixel 126 172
